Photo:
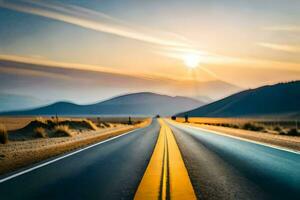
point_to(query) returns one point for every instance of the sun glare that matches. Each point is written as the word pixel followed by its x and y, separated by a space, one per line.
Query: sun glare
pixel 191 60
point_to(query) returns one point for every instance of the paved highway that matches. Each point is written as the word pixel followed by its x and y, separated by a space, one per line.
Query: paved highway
pixel 111 170
pixel 211 166
pixel 222 167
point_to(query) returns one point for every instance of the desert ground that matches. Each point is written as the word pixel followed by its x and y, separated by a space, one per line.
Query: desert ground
pixel 30 139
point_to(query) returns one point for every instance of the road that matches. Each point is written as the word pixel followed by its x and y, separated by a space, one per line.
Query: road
pixel 110 170
pixel 222 167
pixel 173 162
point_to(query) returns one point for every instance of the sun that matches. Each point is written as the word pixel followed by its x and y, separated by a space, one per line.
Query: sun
pixel 191 60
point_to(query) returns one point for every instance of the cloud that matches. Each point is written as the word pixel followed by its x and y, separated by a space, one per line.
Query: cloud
pixel 94 20
pixel 37 60
pixel 280 47
pixel 32 73
pixel 45 63
pixel 286 28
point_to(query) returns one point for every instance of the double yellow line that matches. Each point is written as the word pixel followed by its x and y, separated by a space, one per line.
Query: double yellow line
pixel 166 176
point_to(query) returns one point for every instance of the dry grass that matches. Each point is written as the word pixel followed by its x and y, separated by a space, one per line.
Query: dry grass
pixel 18 154
pixel 40 132
pixel 31 131
pixel 62 131
pixel 262 125
pixel 90 124
pixel 3 134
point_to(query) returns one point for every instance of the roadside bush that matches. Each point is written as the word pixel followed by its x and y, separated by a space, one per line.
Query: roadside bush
pixel 3 134
pixel 40 132
pixel 282 132
pixel 277 128
pixel 293 132
pixel 235 126
pixel 62 131
pixel 51 123
pixel 107 125
pixel 83 124
pixel 253 127
pixel 90 125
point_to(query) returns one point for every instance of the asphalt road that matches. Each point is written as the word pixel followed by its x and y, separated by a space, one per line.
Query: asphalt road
pixel 221 167
pixel 111 170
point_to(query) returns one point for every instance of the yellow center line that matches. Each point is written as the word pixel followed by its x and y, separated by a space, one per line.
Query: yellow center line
pixel 165 169
pixel 166 176
pixel 150 185
pixel 180 184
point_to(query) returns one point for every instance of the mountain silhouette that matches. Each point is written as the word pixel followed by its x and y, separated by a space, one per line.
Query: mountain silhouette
pixel 144 103
pixel 280 100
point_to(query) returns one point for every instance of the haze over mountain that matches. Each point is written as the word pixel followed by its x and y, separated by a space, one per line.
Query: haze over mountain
pixel 280 100
pixel 16 102
pixel 56 83
pixel 145 103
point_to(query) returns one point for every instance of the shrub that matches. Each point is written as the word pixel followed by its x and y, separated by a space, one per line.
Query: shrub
pixel 277 128
pixel 253 127
pixel 90 125
pixel 51 123
pixel 235 126
pixel 107 125
pixel 293 132
pixel 62 131
pixel 226 125
pixel 282 132
pixel 40 132
pixel 3 134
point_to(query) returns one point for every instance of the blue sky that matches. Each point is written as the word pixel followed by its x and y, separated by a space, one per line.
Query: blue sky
pixel 240 42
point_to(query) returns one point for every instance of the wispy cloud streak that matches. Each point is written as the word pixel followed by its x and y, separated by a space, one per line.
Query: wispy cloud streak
pixel 281 47
pixel 93 20
pixel 285 28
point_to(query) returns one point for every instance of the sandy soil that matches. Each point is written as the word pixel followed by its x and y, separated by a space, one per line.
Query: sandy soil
pixel 13 123
pixel 17 154
pixel 291 142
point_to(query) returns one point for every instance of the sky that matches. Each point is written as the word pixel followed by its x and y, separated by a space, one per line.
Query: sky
pixel 244 44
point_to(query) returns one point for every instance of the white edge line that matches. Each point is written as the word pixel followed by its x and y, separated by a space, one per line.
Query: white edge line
pixel 244 139
pixel 62 157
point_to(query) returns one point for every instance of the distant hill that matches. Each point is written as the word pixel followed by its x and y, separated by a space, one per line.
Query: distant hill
pixel 131 104
pixel 280 100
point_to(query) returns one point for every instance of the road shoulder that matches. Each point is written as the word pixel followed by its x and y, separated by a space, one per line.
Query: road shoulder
pixel 281 141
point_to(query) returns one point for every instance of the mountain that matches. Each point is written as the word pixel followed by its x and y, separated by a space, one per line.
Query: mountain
pixel 17 102
pixel 280 100
pixel 145 103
